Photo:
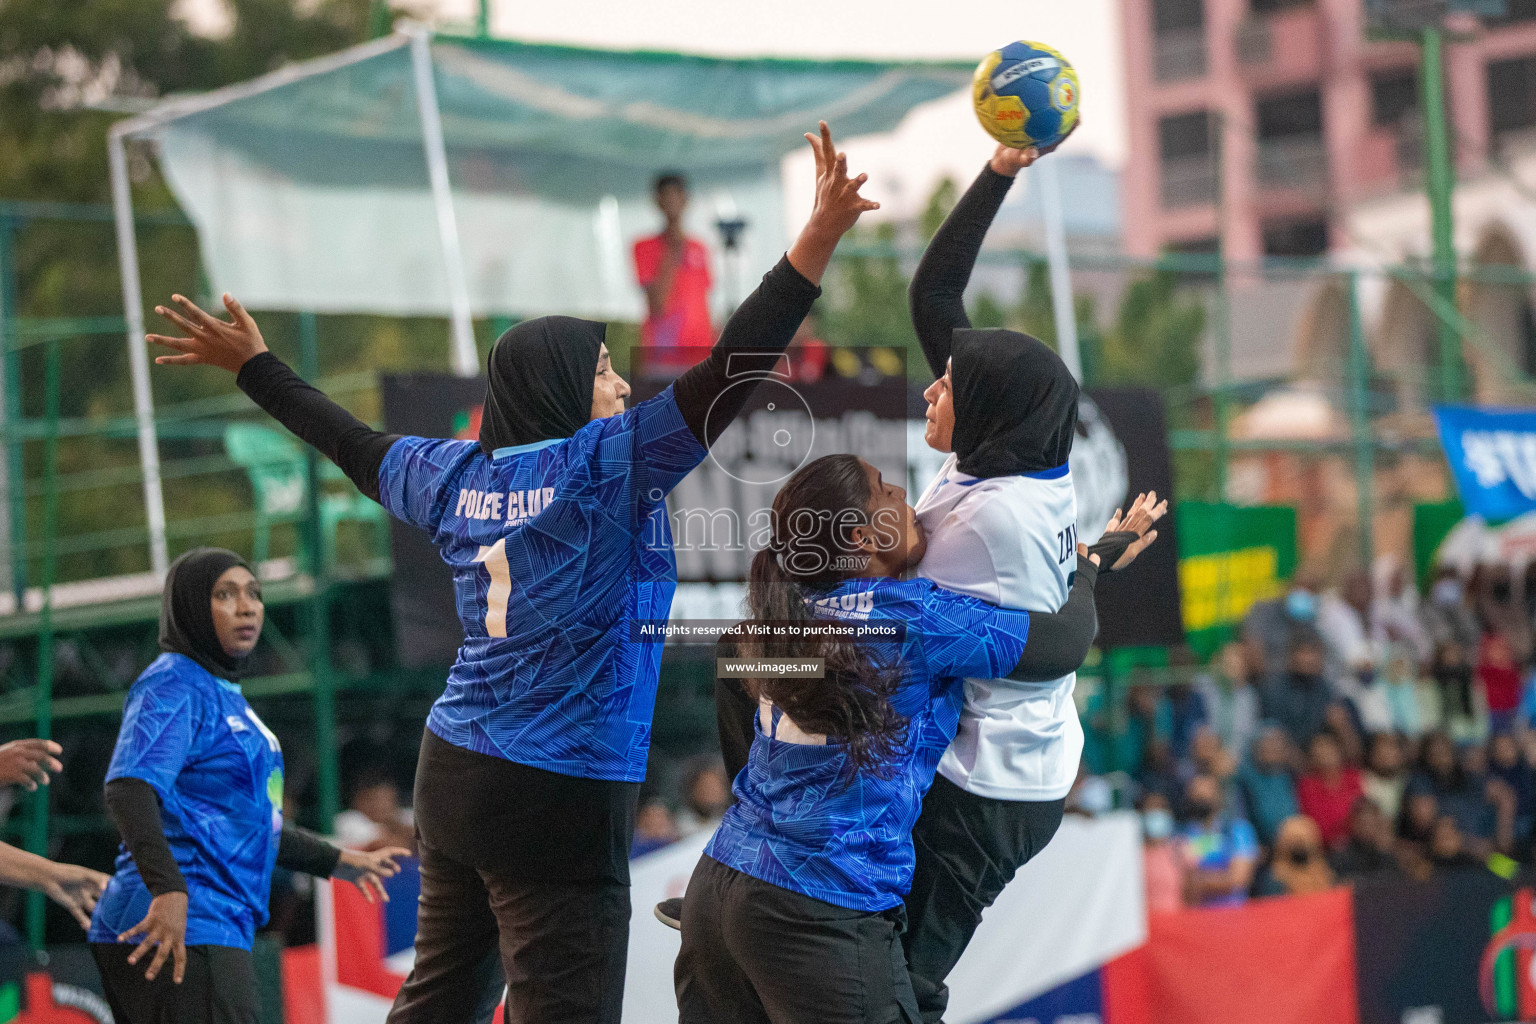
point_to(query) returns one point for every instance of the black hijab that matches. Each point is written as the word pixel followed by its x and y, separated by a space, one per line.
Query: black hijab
pixel 1015 404
pixel 540 377
pixel 186 609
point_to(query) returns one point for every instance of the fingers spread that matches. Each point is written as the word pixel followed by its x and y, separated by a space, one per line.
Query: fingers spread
pixel 161 952
pixel 179 967
pixel 175 360
pixel 166 341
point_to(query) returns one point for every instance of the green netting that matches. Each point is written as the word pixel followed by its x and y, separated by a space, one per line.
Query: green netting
pixel 313 193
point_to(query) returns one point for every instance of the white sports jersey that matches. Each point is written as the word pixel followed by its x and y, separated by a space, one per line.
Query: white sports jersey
pixel 1011 541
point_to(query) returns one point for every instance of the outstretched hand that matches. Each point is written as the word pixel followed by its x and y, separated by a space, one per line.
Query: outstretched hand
pixel 838 207
pixel 76 889
pixel 26 763
pixel 227 344
pixel 368 869
pixel 1009 161
pixel 1145 511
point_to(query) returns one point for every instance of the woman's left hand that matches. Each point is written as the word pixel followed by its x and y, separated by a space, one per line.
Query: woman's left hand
pixel 227 344
pixel 1145 511
pixel 367 870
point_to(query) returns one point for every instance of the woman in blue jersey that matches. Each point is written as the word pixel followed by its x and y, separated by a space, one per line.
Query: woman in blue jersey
pixel 1001 518
pixel 555 526
pixel 795 911
pixel 196 790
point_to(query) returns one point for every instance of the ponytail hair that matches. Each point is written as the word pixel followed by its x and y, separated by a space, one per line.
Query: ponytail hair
pixel 807 555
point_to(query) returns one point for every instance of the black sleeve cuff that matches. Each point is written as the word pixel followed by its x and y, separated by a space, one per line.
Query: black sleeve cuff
pixel 306 853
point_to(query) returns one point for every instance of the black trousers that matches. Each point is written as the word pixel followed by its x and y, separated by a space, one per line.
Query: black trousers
pixel 529 863
pixel 968 849
pixel 754 953
pixel 219 987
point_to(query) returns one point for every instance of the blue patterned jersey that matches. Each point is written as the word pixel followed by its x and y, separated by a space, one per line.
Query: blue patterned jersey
pixel 218 772
pixel 554 546
pixel 797 822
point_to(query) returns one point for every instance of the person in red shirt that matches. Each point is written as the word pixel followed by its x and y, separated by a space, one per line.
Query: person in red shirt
pixel 1499 672
pixel 674 271
pixel 1328 791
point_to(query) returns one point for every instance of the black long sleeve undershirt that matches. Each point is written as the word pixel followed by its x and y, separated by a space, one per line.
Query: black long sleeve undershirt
pixel 937 294
pixel 756 335
pixel 1058 642
pixel 353 445
pixel 135 810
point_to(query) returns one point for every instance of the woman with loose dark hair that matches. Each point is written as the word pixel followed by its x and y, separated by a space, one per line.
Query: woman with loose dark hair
pixel 794 912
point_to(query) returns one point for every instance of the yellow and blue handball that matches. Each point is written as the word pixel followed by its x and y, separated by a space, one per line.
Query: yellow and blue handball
pixel 1026 95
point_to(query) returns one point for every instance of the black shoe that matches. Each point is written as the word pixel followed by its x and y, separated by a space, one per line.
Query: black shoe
pixel 670 912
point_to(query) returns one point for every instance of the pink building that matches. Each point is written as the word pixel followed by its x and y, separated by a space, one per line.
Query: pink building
pixel 1317 118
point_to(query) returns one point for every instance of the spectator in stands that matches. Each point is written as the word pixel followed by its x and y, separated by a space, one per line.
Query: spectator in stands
pixel 706 795
pixel 1231 696
pixel 1394 610
pixel 1161 860
pixel 1274 628
pixel 1416 821
pixel 1344 620
pixel 1148 720
pixel 654 828
pixel 1187 713
pixel 1299 865
pixel 1328 789
pixel 1221 852
pixel 1445 615
pixel 1385 776
pixel 1340 720
pixel 1458 796
pixel 1269 791
pixel 673 269
pixel 1298 699
pixel 1448 848
pixel 1498 673
pixel 1451 669
pixel 374 817
pixel 1506 763
pixel 1161 772
pixel 1415 699
pixel 1369 848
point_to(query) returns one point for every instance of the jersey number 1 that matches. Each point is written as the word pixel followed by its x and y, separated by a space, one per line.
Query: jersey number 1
pixel 495 560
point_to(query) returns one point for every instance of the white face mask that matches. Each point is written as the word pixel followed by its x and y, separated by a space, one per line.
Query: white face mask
pixel 1446 592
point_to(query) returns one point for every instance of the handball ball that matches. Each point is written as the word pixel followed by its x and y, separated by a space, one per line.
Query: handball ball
pixel 1026 95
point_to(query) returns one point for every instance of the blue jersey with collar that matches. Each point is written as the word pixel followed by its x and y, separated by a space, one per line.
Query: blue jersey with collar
pixel 798 822
pixel 218 772
pixel 554 547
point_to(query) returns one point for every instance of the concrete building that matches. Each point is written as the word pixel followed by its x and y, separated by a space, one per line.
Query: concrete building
pixel 1317 118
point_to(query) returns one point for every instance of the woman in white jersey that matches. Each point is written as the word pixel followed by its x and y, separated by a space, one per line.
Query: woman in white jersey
pixel 1001 520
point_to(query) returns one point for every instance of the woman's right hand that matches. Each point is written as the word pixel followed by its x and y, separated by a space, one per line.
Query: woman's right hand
pixel 838 207
pixel 211 341
pixel 74 888
pixel 165 930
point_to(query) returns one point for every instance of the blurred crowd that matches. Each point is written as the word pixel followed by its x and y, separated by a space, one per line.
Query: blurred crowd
pixel 1363 730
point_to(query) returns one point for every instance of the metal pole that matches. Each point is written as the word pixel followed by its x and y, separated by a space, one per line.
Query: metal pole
pixel 1061 271
pixel 37 834
pixel 13 507
pixel 138 353
pixel 1221 398
pixel 1439 181
pixel 1360 422
pixel 319 603
pixel 465 361
pixel 483 20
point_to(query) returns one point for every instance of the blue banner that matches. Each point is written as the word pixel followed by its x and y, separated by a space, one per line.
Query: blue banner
pixel 1492 453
